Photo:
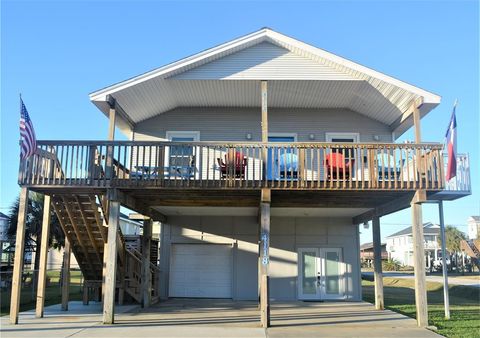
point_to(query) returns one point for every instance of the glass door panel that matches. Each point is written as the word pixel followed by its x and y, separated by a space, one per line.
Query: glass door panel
pixel 308 274
pixel 332 274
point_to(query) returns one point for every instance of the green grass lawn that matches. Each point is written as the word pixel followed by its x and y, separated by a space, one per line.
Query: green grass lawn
pixel 52 293
pixel 464 305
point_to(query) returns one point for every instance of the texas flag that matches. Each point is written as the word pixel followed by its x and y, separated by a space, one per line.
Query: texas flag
pixel 451 140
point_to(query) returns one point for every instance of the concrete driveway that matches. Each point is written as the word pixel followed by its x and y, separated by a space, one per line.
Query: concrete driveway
pixel 218 318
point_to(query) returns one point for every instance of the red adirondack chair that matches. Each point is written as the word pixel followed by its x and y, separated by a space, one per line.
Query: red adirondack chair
pixel 336 163
pixel 234 165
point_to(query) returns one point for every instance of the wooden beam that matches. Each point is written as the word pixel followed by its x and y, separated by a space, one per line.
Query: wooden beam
pixel 67 253
pixel 377 263
pixel 385 209
pixel 124 116
pixel 138 217
pixel 111 263
pixel 146 274
pixel 19 252
pixel 419 262
pixel 264 257
pixel 42 276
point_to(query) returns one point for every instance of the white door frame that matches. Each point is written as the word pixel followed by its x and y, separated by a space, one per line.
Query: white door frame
pixel 320 267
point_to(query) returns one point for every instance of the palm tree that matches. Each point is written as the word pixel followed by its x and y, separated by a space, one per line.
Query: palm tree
pixel 33 228
pixel 453 238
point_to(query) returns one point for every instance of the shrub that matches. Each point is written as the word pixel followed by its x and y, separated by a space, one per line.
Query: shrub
pixel 391 265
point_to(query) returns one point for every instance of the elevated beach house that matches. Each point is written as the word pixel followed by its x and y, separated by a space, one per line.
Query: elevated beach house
pixel 260 157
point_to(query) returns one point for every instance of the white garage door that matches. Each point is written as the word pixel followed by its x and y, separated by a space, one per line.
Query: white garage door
pixel 201 270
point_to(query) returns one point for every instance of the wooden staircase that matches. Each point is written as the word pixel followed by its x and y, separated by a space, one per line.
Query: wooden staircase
pixel 84 220
pixel 82 224
pixel 472 249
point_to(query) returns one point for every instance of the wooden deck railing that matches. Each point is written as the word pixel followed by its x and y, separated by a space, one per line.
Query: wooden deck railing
pixel 359 166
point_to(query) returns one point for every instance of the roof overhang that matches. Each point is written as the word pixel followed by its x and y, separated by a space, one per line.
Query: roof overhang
pixel 321 80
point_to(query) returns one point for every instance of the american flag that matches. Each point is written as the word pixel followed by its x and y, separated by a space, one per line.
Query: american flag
pixel 28 142
pixel 451 139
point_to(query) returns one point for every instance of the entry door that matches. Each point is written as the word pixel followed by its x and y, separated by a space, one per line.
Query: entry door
pixel 320 274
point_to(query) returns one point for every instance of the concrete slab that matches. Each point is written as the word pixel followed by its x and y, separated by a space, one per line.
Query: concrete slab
pixel 218 318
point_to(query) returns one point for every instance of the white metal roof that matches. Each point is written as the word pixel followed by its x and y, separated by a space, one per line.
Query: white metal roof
pixel 299 75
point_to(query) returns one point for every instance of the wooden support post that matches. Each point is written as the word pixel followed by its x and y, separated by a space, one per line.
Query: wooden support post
pixel 418 139
pixel 111 263
pixel 67 253
pixel 111 137
pixel 146 273
pixel 264 95
pixel 112 115
pixel 264 111
pixel 419 259
pixel 416 123
pixel 42 276
pixel 264 257
pixel 19 251
pixel 86 292
pixel 377 263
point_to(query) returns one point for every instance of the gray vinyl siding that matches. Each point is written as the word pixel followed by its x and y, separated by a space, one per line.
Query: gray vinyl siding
pixel 264 61
pixel 232 124
pixel 288 234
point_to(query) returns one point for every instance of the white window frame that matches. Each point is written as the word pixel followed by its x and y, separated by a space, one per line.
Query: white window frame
pixel 354 136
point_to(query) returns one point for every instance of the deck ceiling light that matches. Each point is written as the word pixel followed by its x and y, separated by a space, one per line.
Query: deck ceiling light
pixel 248 136
pixel 311 137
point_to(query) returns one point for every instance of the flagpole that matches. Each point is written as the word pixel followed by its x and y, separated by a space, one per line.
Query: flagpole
pixel 446 301
pixel 20 140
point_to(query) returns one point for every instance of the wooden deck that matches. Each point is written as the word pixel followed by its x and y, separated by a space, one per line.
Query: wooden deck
pixel 202 165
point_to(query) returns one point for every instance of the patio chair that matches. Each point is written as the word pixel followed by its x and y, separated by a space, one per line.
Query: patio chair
pixel 143 172
pixel 288 166
pixel 184 169
pixel 234 165
pixel 337 163
pixel 387 168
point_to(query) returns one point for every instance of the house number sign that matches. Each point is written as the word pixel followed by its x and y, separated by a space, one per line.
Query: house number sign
pixel 265 249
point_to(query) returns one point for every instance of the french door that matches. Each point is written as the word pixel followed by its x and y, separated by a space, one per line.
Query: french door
pixel 320 274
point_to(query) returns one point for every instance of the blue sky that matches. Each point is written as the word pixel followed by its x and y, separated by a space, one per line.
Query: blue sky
pixel 56 53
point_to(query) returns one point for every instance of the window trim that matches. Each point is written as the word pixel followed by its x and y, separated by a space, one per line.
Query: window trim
pixel 331 135
pixel 180 133
pixel 294 135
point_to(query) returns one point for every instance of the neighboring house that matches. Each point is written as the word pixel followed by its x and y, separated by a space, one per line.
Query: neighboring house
pixel 4 241
pixel 473 224
pixel 400 245
pixel 260 157
pixel 366 252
